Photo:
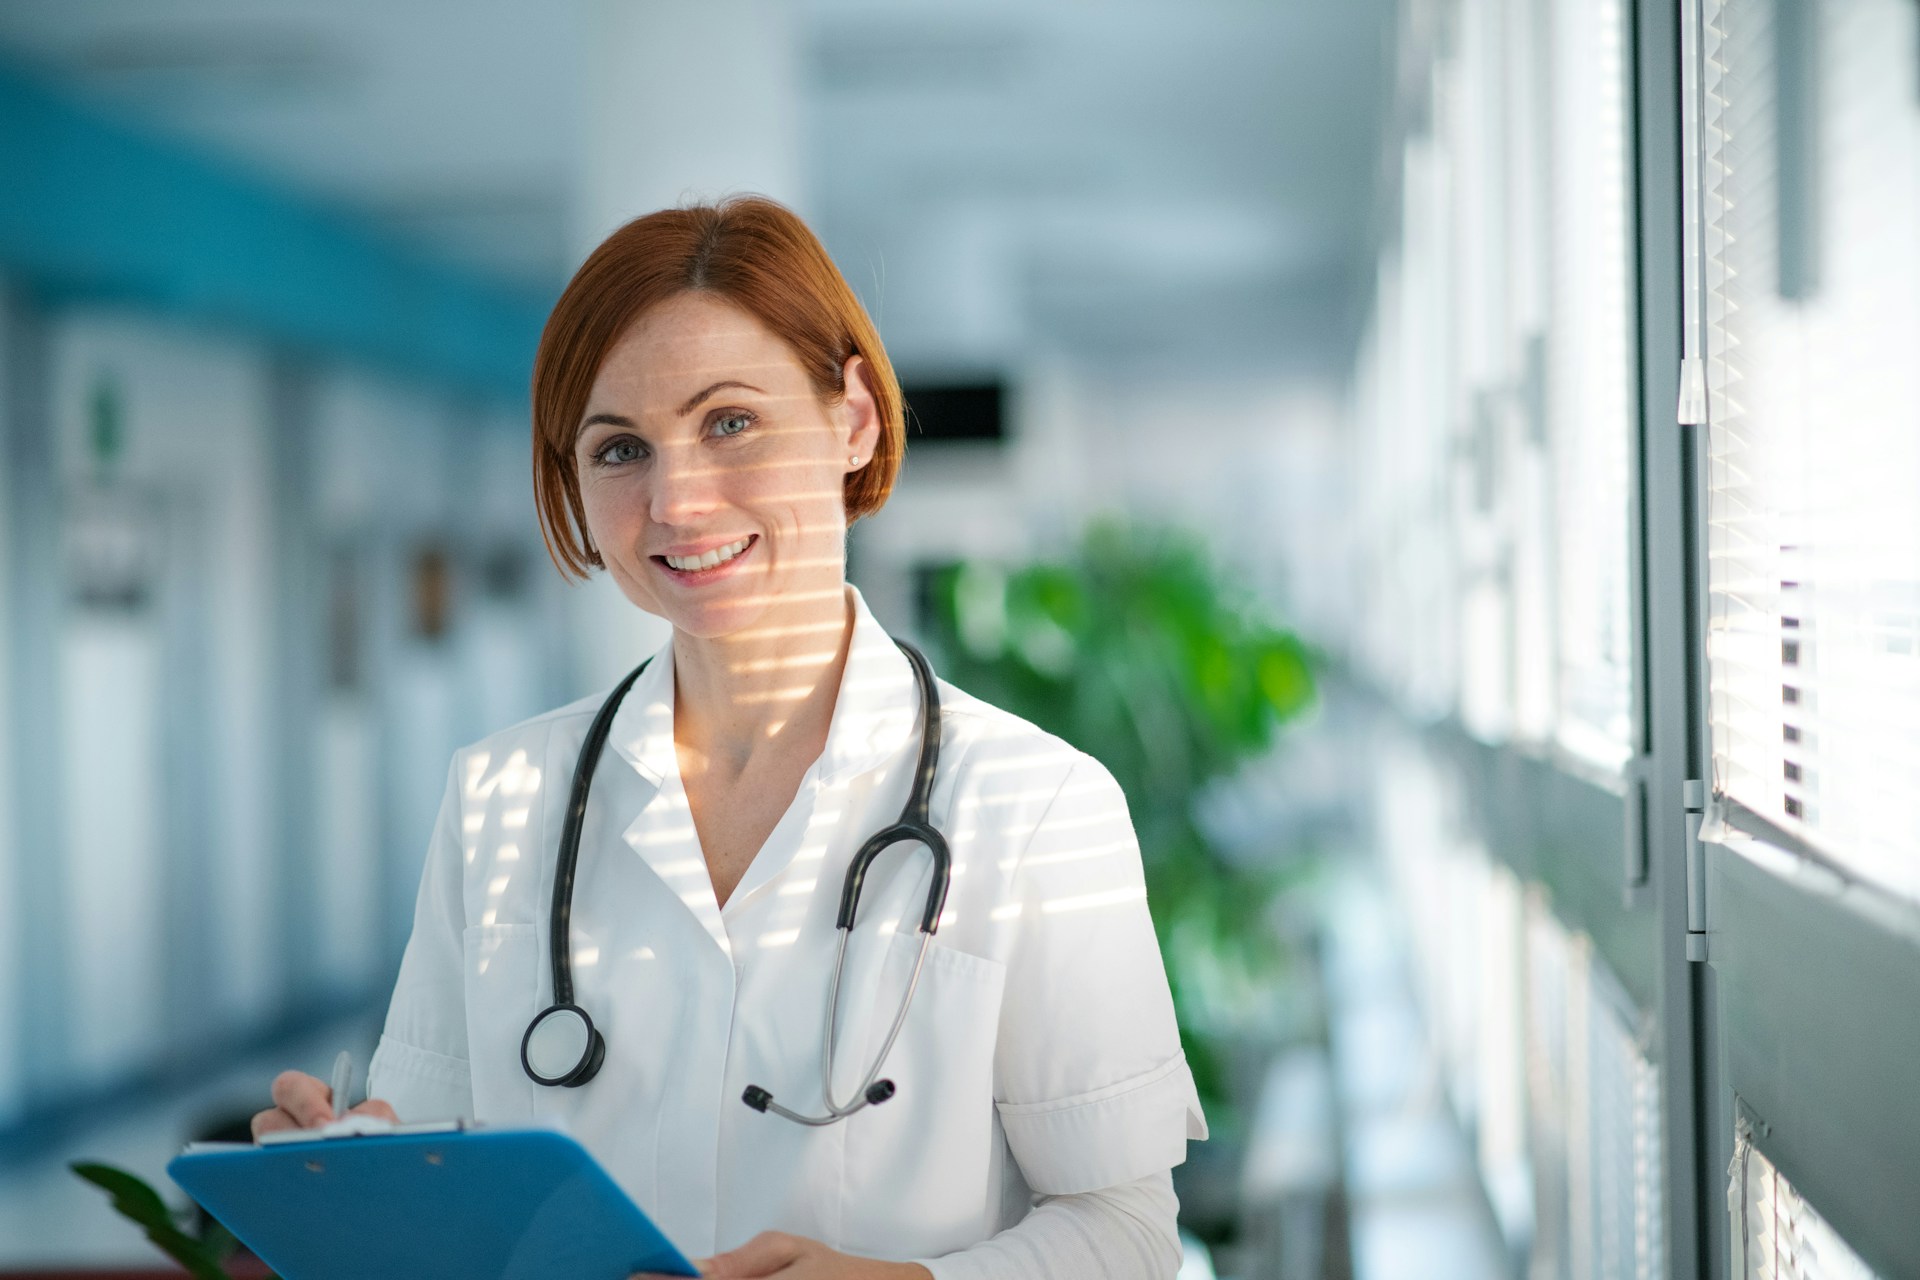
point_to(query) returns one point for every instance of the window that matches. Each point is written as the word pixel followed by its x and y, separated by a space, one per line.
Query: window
pixel 1812 283
pixel 1590 377
pixel 1776 1234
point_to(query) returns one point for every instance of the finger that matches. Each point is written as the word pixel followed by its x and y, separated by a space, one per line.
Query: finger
pixel 308 1100
pixel 375 1107
pixel 763 1255
pixel 269 1121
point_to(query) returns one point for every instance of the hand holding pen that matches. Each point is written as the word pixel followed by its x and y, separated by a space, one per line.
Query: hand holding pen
pixel 302 1101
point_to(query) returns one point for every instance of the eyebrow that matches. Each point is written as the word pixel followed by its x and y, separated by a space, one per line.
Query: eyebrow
pixel 694 403
pixel 611 419
pixel 616 420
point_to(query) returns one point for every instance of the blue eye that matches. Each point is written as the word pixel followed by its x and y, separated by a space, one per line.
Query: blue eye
pixel 617 450
pixel 732 424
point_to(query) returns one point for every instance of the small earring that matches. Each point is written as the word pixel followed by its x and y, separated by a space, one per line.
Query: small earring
pixel 854 459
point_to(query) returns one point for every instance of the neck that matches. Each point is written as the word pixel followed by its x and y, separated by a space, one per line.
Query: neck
pixel 772 685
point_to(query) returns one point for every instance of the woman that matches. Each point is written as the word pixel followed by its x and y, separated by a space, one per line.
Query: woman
pixel 712 408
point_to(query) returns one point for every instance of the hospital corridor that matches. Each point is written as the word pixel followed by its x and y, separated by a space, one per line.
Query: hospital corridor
pixel 1233 639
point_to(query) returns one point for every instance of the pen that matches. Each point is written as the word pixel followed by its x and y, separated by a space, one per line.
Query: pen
pixel 342 1081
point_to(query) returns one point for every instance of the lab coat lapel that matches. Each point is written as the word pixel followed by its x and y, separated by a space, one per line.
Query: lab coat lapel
pixel 663 833
pixel 876 709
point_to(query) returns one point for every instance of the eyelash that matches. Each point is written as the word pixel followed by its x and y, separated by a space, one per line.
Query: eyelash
pixel 732 415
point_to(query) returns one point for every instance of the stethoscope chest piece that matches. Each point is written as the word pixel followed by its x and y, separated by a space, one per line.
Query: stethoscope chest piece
pixel 562 1047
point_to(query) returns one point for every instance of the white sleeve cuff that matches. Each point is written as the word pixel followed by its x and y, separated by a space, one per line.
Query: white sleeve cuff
pixel 1108 1136
pixel 1128 1232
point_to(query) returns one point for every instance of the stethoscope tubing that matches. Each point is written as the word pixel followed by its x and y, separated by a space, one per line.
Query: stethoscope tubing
pixel 913 826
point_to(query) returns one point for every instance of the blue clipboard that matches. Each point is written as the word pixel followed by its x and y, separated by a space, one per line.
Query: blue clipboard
pixel 428 1202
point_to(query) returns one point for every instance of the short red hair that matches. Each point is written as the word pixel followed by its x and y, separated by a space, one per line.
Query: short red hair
pixel 749 250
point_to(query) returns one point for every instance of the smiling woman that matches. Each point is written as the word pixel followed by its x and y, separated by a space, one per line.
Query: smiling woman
pixel 752 254
pixel 806 859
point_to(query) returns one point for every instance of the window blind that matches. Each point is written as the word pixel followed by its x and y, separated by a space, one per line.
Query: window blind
pixel 1594 1109
pixel 1776 1235
pixel 1811 193
pixel 1624 1236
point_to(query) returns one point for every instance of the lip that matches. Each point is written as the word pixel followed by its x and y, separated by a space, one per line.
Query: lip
pixel 700 577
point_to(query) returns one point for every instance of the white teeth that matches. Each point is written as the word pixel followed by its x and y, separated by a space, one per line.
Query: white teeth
pixel 719 555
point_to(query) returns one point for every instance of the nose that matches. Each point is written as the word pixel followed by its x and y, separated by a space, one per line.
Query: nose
pixel 685 486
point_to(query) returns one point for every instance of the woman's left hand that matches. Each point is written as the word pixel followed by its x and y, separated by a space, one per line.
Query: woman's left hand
pixel 774 1253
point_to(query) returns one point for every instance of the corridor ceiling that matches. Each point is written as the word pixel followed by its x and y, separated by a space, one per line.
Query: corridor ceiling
pixel 1187 182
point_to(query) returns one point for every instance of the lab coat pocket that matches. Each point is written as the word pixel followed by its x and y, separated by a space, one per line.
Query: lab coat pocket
pixel 503 977
pixel 918 1167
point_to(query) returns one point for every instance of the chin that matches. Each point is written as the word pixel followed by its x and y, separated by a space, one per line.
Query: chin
pixel 716 619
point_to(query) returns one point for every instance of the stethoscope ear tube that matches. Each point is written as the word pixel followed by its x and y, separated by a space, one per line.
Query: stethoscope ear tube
pixel 899 833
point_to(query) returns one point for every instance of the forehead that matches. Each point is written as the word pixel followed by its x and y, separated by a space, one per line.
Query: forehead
pixel 689 342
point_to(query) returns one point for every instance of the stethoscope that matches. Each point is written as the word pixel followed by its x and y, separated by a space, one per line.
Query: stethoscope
pixel 562 1046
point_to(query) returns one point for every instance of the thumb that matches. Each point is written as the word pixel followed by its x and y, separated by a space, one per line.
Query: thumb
pixel 376 1107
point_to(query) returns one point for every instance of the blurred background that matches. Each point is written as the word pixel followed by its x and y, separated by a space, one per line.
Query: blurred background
pixel 1453 460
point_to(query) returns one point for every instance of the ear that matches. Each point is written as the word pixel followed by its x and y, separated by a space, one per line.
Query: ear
pixel 859 413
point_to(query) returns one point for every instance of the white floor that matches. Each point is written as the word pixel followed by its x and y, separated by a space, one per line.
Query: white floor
pixel 49 1217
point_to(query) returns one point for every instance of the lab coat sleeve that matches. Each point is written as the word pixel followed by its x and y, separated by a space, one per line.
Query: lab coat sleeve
pixel 1090 1081
pixel 420 1066
pixel 1128 1232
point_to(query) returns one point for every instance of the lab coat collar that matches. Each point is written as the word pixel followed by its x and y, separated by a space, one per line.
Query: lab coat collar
pixel 877 708
pixel 875 713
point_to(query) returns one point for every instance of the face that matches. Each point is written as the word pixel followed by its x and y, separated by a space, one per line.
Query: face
pixel 712 473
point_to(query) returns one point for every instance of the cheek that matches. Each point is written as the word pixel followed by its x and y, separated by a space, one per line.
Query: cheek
pixel 814 497
pixel 606 503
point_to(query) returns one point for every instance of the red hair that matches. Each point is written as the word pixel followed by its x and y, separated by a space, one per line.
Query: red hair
pixel 754 253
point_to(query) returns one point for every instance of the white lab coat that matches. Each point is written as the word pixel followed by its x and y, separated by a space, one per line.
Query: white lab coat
pixel 1040 1055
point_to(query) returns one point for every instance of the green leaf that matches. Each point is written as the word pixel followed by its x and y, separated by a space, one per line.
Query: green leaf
pixel 132 1197
pixel 142 1205
pixel 218 1241
pixel 1285 678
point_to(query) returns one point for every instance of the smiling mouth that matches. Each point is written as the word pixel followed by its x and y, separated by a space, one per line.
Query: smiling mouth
pixel 713 559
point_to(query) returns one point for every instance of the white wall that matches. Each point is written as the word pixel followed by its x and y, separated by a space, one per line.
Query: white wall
pixel 666 127
pixel 189 493
pixel 392 476
pixel 502 649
